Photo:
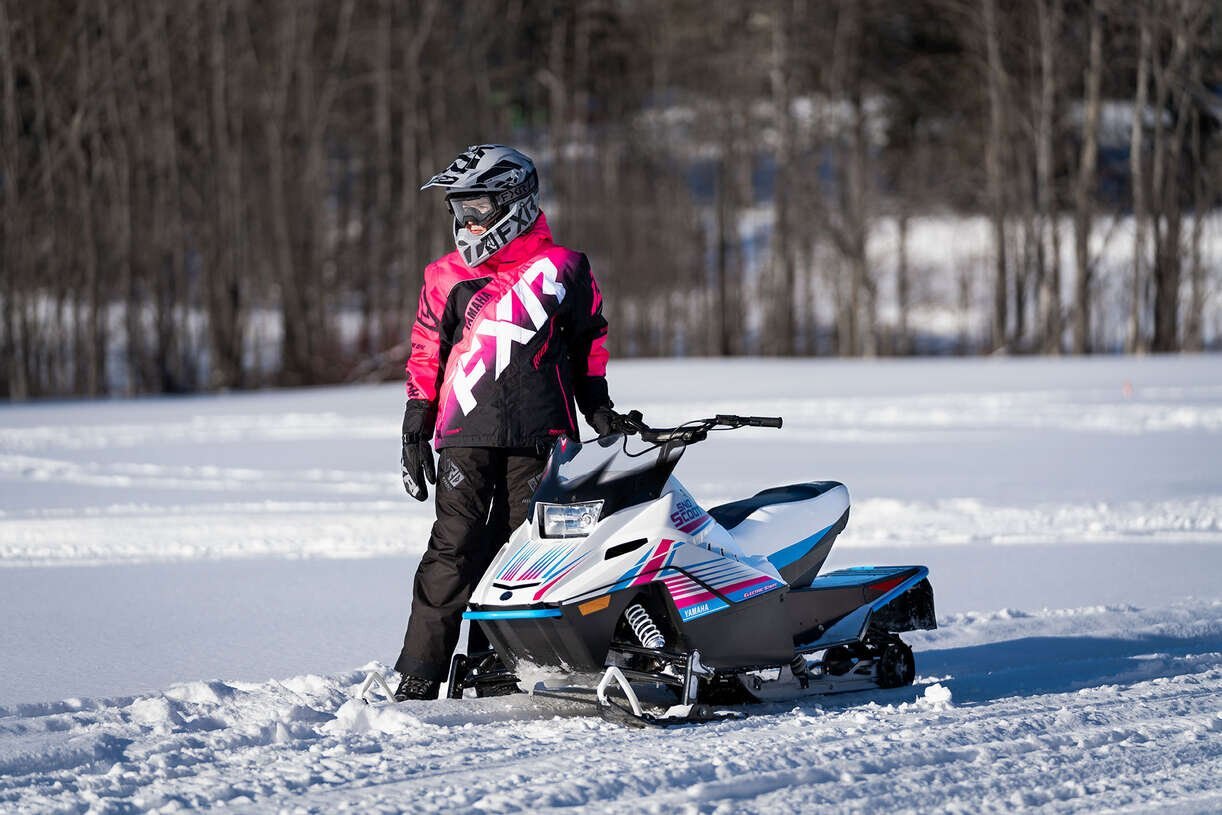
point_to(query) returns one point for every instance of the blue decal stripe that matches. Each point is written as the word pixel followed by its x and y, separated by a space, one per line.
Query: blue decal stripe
pixel 518 558
pixel 550 557
pixel 724 570
pixel 694 566
pixel 782 558
pixel 703 608
pixel 512 614
pixel 635 567
pixel 559 564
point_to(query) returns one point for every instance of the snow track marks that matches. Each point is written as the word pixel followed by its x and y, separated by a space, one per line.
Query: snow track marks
pixel 1131 729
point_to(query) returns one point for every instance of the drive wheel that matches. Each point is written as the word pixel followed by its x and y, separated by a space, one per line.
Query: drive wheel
pixel 840 659
pixel 896 665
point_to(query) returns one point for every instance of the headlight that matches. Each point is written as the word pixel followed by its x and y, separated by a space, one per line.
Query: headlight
pixel 570 520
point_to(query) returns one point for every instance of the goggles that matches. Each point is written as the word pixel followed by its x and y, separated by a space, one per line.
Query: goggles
pixel 478 208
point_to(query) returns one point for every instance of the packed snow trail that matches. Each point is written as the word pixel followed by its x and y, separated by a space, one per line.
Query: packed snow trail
pixel 1071 710
pixel 161 557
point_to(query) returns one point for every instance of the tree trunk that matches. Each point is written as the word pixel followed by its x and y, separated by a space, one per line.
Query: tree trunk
pixel 13 346
pixel 120 126
pixel 291 274
pixel 725 229
pixel 1173 89
pixel 1048 13
pixel 411 223
pixel 995 170
pixel 169 235
pixel 903 296
pixel 225 300
pixel 1202 193
pixel 784 335
pixel 1136 333
pixel 865 288
pixel 377 220
pixel 1087 173
pixel 88 319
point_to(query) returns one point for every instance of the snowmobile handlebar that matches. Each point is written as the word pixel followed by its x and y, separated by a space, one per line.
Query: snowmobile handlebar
pixel 748 421
pixel 690 432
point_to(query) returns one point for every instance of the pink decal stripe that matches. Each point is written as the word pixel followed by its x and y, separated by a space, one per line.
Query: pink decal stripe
pixel 565 394
pixel 688 594
pixel 655 563
pixel 693 599
pixel 543 589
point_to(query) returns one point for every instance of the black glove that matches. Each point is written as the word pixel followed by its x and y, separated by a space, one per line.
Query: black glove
pixel 417 459
pixel 605 421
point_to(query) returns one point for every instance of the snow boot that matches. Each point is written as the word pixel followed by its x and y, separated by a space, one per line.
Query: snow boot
pixel 416 687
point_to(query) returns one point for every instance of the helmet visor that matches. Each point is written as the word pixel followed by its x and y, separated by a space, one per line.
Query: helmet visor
pixel 474 208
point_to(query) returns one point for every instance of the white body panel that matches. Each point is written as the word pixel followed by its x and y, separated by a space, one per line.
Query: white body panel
pixel 771 530
pixel 677 534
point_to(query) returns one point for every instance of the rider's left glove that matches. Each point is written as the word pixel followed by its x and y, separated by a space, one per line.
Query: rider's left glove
pixel 417 458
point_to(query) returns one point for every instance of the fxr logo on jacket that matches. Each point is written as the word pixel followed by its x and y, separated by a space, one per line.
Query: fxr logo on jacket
pixel 504 328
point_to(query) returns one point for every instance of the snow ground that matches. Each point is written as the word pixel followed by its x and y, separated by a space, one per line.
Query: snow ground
pixel 164 557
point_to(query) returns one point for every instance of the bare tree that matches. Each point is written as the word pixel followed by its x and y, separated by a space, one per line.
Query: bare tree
pixel 1137 175
pixel 1048 251
pixel 995 146
pixel 1172 96
pixel 194 194
pixel 783 323
pixel 13 382
pixel 1087 174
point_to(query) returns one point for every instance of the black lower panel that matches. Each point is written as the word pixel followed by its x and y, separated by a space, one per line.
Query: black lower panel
pixel 745 634
pixel 812 610
pixel 573 642
pixel 911 611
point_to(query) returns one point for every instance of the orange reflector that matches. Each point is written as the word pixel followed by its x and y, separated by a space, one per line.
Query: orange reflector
pixel 597 604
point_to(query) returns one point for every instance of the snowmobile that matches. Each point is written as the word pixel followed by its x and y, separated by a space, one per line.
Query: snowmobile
pixel 619 579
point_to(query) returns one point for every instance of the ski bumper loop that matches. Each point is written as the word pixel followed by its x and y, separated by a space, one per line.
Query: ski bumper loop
pixel 689 711
pixel 375 678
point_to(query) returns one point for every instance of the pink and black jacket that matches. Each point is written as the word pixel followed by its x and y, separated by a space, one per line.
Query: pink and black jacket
pixel 501 351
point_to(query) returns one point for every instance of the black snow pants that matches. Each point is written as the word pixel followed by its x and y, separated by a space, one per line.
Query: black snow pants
pixel 482 496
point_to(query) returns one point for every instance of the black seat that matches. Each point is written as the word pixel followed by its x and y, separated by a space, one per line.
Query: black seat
pixel 732 514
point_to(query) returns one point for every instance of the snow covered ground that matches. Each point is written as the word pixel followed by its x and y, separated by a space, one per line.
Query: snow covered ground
pixel 163 558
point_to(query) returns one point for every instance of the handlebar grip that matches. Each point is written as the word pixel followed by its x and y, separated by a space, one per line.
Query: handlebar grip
pixel 730 420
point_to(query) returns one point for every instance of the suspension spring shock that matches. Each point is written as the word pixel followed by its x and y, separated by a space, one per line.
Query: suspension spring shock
pixel 798 666
pixel 643 627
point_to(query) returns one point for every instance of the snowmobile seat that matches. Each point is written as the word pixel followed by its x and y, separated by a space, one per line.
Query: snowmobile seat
pixel 734 513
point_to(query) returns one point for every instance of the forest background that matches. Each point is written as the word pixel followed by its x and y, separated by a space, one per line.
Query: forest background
pixel 218 194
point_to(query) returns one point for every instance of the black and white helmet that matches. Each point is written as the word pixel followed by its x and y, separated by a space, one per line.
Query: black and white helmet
pixel 494 187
